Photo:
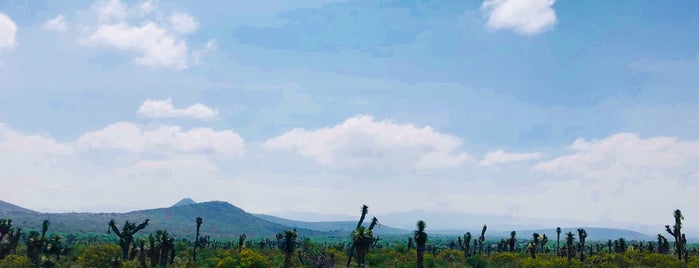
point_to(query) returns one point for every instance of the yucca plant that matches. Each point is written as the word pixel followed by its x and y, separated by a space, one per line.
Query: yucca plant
pixel 198 221
pixel 420 239
pixel 676 232
pixel 128 230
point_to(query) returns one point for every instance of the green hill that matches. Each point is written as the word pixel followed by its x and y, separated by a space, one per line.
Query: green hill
pixel 221 220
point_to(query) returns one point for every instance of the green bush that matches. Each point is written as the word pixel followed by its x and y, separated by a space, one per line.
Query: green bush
pixel 100 255
pixel 15 261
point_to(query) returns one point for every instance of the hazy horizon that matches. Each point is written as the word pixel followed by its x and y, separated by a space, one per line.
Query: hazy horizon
pixel 530 109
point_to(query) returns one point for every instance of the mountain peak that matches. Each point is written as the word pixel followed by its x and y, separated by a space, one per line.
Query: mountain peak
pixel 184 202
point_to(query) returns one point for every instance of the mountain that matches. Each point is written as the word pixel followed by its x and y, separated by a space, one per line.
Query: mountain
pixel 343 227
pixel 221 220
pixel 184 202
pixel 593 233
pixel 11 208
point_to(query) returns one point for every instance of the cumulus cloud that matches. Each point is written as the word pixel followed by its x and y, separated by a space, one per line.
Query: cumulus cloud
pixel 500 157
pixel 624 156
pixel 15 142
pixel 523 16
pixel 56 24
pixel 183 23
pixel 165 109
pixel 363 142
pixel 8 30
pixel 157 44
pixel 132 138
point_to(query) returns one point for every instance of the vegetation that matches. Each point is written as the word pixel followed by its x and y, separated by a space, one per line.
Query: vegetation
pixel 130 248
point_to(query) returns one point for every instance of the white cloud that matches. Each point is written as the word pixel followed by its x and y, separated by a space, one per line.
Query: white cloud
pixel 56 24
pixel 15 142
pixel 500 157
pixel 363 142
pixel 183 23
pixel 8 30
pixel 157 44
pixel 165 109
pixel 132 138
pixel 523 16
pixel 624 156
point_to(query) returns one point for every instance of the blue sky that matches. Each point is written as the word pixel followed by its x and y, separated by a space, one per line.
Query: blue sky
pixel 497 107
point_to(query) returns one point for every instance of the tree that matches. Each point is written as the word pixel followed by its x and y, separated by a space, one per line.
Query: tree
pixel 676 232
pixel 512 242
pixel 420 239
pixel 582 234
pixel 533 245
pixel 9 245
pixel 288 246
pixel 362 238
pixel 570 251
pixel 199 221
pixel 128 230
pixel 481 238
pixel 465 244
pixel 37 244
pixel 558 241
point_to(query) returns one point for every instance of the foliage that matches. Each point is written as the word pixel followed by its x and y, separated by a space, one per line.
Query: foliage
pixel 100 255
pixel 15 261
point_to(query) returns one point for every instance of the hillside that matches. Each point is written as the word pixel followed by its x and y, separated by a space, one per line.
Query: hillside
pixel 11 208
pixel 221 220
pixel 330 226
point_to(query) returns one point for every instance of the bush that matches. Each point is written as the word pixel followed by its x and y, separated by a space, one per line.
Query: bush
pixel 100 255
pixel 15 261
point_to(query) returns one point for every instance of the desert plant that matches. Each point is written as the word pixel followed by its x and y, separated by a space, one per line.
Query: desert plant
pixel 512 241
pixel 128 230
pixel 288 246
pixel 570 251
pixel 198 221
pixel 582 234
pixel 558 241
pixel 676 232
pixel 420 239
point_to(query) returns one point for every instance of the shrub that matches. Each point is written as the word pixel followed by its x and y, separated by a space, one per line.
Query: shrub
pixel 100 255
pixel 15 261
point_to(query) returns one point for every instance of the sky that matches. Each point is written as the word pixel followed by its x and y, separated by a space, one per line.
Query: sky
pixel 575 110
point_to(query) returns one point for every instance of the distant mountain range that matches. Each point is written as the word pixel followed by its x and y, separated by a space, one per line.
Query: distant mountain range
pixel 224 220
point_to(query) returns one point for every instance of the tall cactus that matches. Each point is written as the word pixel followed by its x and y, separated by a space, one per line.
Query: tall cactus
pixel 512 241
pixel 36 243
pixel 361 239
pixel 288 239
pixel 676 232
pixel 481 239
pixel 558 241
pixel 465 245
pixel 582 234
pixel 570 251
pixel 128 230
pixel 198 221
pixel 420 239
pixel 9 234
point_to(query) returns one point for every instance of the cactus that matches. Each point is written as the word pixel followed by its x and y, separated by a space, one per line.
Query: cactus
pixel 558 241
pixel 570 251
pixel 676 232
pixel 288 245
pixel 199 221
pixel 12 235
pixel 465 245
pixel 582 234
pixel 126 234
pixel 481 239
pixel 241 242
pixel 362 239
pixel 420 239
